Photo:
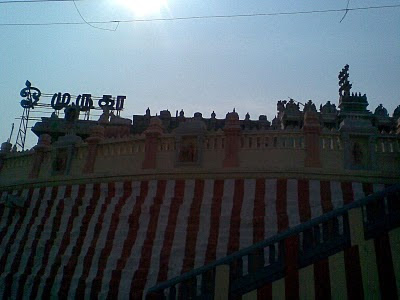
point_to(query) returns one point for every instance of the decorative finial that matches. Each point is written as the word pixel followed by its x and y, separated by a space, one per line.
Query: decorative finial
pixel 345 85
pixel 31 94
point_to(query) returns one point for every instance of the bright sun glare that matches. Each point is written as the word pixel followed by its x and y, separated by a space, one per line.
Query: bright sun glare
pixel 144 7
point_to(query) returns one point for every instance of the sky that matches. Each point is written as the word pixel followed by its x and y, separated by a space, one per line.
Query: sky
pixel 200 65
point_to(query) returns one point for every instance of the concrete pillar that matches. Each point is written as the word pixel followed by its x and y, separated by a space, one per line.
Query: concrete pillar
pixel 221 290
pixel 232 133
pixel 152 133
pixel 43 145
pixel 312 133
pixel 96 136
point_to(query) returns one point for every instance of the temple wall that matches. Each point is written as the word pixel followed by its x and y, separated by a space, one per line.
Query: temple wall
pixel 264 151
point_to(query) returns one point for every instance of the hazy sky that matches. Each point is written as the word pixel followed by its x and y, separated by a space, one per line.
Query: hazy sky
pixel 200 65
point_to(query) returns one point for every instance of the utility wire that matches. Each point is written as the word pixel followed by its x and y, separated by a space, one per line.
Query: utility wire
pixel 77 9
pixel 33 1
pixel 347 10
pixel 206 17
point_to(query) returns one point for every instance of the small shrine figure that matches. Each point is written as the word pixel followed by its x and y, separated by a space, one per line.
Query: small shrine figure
pixel 188 153
pixel 345 85
pixel 71 113
pixel 105 116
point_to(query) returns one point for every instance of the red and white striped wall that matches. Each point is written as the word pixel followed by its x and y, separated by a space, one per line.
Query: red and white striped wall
pixel 115 240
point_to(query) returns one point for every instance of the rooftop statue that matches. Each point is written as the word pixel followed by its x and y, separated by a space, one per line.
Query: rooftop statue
pixel 280 106
pixel 105 116
pixel 71 113
pixel 292 107
pixel 396 113
pixel 310 106
pixel 345 85
pixel 328 108
pixel 381 111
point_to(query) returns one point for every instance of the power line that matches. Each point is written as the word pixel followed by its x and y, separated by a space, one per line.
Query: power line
pixel 345 13
pixel 33 1
pixel 205 17
pixel 96 27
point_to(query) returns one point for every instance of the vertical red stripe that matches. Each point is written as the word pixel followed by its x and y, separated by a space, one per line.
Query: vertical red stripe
pixel 193 227
pixel 234 231
pixel 50 242
pixel 17 228
pixel 303 193
pixel 214 221
pixel 39 230
pixel 322 283
pixel 140 276
pixel 353 273
pixel 69 268
pixel 17 259
pixel 10 216
pixel 387 278
pixel 259 211
pixel 129 242
pixel 292 273
pixel 105 252
pixel 347 191
pixel 87 262
pixel 281 205
pixel 326 197
pixel 170 230
pixel 64 244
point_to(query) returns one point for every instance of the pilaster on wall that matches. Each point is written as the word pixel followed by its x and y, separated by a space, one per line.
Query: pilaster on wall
pixel 152 134
pixel 312 133
pixel 43 145
pixel 96 136
pixel 5 148
pixel 232 132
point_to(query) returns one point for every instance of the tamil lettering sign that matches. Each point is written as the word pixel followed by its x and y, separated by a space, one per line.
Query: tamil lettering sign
pixel 85 102
pixel 62 100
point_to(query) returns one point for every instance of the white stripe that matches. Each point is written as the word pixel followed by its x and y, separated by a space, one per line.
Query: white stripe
pixel 10 229
pixel 120 236
pixel 204 226
pixel 247 214
pixel 159 238
pixel 271 220
pixel 88 240
pixel 68 203
pixel 103 236
pixel 336 194
pixel 225 219
pixel 134 258
pixel 32 232
pixel 358 191
pixel 178 249
pixel 38 258
pixel 6 238
pixel 292 203
pixel 74 234
pixel 3 220
pixel 315 198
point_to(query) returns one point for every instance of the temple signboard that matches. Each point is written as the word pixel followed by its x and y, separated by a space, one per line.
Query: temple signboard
pixel 59 101
pixel 85 102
